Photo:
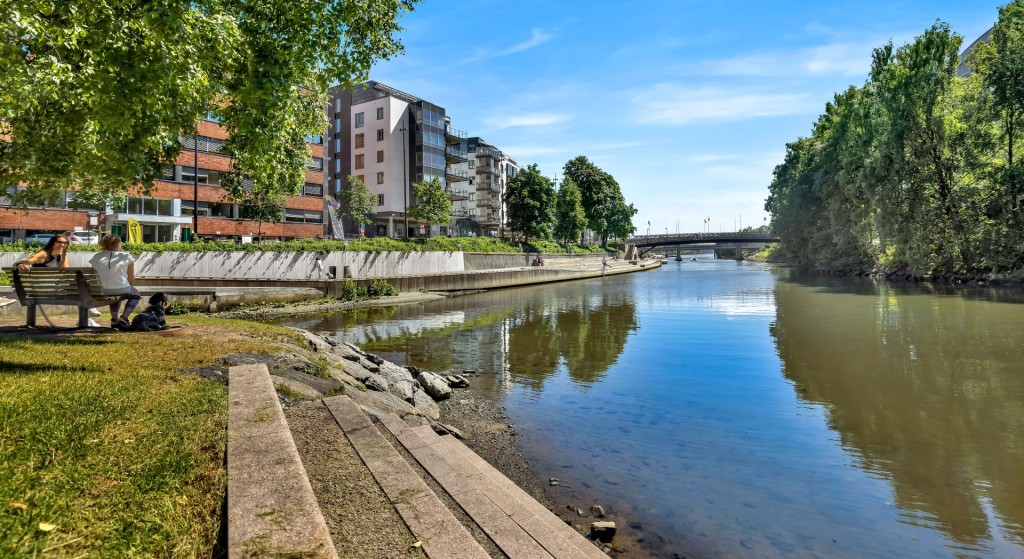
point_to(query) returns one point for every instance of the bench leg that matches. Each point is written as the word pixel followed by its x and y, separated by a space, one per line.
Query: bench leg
pixel 30 315
pixel 83 317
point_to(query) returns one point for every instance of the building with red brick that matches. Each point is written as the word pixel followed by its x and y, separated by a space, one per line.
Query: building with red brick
pixel 166 212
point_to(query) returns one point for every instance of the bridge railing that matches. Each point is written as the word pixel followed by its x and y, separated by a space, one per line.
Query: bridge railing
pixel 702 237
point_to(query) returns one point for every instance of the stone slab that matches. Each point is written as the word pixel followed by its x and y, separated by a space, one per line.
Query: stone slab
pixel 442 535
pixel 272 511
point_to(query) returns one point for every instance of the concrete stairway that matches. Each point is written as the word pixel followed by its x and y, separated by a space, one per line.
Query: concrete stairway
pixel 521 527
pixel 272 511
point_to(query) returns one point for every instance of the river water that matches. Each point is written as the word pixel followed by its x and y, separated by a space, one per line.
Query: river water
pixel 728 409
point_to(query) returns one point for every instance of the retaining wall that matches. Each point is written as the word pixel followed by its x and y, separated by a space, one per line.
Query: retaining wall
pixel 475 261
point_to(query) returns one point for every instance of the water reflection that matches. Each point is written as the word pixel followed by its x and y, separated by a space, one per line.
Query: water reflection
pixel 925 391
pixel 525 336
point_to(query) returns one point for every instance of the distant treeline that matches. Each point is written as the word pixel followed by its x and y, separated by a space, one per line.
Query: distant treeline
pixel 917 169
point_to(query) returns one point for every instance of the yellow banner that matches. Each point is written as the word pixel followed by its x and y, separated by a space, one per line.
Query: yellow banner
pixel 134 231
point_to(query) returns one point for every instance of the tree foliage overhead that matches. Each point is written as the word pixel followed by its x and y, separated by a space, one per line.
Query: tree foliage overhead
pixel 916 169
pixel 96 94
pixel 605 208
pixel 530 204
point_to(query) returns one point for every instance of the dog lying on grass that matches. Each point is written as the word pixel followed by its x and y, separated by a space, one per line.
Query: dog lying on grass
pixel 153 318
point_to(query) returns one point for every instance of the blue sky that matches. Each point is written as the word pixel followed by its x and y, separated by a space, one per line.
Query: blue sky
pixel 688 104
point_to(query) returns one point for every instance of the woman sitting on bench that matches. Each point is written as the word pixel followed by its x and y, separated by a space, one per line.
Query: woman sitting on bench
pixel 116 271
pixel 53 255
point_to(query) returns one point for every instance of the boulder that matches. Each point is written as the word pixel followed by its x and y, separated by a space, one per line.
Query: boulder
pixel 602 531
pixel 413 369
pixel 319 344
pixel 455 431
pixel 374 359
pixel 376 382
pixel 426 405
pixel 434 385
pixel 457 381
pixel 394 373
pixel 404 389
pixel 598 511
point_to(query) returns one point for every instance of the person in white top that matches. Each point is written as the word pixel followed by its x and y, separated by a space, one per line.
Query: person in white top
pixel 116 271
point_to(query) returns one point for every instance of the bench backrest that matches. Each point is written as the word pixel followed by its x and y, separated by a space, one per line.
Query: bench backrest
pixel 57 284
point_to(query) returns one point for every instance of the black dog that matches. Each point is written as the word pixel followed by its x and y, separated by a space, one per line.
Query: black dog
pixel 153 318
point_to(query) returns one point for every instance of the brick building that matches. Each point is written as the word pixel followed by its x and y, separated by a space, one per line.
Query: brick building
pixel 166 214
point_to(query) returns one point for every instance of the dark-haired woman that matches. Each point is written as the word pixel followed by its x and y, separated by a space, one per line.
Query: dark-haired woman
pixel 53 255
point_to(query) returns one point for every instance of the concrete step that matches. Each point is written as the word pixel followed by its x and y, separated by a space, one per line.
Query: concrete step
pixel 272 511
pixel 442 535
pixel 516 522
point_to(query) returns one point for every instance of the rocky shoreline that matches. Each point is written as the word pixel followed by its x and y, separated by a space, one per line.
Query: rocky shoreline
pixel 322 367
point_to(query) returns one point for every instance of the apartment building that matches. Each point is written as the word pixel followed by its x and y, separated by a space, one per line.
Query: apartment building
pixel 166 211
pixel 390 139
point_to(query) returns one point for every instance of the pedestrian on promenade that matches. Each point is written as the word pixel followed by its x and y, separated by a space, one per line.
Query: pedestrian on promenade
pixel 604 264
pixel 318 267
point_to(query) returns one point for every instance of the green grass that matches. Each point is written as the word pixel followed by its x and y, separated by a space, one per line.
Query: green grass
pixel 101 438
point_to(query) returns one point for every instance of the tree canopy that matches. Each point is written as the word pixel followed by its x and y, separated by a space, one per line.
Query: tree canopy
pixel 96 95
pixel 570 219
pixel 603 204
pixel 530 203
pixel 916 169
pixel 432 202
pixel 357 202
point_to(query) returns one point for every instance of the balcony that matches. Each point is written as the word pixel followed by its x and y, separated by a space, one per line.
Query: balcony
pixel 488 153
pixel 453 154
pixel 488 186
pixel 457 194
pixel 454 135
pixel 488 219
pixel 455 175
pixel 458 212
pixel 488 202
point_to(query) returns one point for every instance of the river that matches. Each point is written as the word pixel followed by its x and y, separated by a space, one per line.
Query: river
pixel 729 409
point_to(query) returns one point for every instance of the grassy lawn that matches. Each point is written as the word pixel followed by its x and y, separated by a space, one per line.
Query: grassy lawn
pixel 106 451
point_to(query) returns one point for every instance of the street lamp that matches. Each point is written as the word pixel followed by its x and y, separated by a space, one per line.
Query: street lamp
pixel 405 181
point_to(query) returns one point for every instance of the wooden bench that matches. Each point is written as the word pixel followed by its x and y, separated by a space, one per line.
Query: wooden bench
pixel 78 287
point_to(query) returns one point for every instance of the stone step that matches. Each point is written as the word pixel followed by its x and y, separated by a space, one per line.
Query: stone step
pixel 520 525
pixel 442 535
pixel 272 511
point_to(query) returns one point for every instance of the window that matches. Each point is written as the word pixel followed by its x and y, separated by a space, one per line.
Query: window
pixel 360 140
pixel 360 161
pixel 380 113
pixel 149 206
pixel 380 177
pixel 380 199
pixel 380 156
pixel 312 189
pixel 380 134
pixel 359 120
pixel 206 176
pixel 315 163
pixel 167 174
pixel 317 139
pixel 186 208
pixel 362 178
pixel 472 164
pixel 472 196
pixel 303 216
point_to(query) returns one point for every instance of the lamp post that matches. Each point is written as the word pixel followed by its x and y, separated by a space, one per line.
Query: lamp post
pixel 405 181
pixel 195 184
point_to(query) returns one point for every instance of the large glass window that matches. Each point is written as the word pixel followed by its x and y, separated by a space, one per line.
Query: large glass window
pixel 149 206
pixel 315 163
pixel 206 176
pixel 303 216
pixel 186 208
pixel 313 189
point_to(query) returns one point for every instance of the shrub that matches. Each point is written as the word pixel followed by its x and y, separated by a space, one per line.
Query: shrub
pixel 350 291
pixel 4 278
pixel 381 288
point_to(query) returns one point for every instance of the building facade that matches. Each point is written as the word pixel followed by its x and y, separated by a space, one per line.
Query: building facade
pixel 166 211
pixel 390 139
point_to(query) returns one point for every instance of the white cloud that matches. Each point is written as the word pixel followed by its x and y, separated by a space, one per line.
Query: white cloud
pixel 529 119
pixel 671 104
pixel 538 37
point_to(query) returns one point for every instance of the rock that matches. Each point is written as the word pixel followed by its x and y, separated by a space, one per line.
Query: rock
pixel 372 368
pixel 469 372
pixel 457 381
pixel 292 388
pixel 598 511
pixel 318 343
pixel 352 357
pixel 394 373
pixel 376 382
pixel 404 389
pixel 426 405
pixel 380 403
pixel 574 509
pixel 352 347
pixel 374 359
pixel 455 431
pixel 553 481
pixel 602 531
pixel 434 385
pixel 413 369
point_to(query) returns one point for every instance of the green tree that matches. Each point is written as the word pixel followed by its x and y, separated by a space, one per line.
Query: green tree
pixel 357 203
pixel 432 202
pixel 620 220
pixel 530 202
pixel 96 94
pixel 570 219
pixel 595 190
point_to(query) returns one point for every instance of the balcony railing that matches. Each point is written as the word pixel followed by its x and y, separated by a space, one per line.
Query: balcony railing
pixel 455 154
pixel 457 194
pixel 454 135
pixel 486 219
pixel 488 153
pixel 487 202
pixel 456 174
pixel 487 170
pixel 458 212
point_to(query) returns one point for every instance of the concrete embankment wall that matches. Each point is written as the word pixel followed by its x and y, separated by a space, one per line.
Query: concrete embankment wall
pixel 300 265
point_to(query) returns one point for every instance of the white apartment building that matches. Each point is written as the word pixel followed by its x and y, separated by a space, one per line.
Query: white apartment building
pixel 391 139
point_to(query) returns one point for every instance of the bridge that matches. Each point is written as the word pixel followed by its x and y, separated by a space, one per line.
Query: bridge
pixel 737 241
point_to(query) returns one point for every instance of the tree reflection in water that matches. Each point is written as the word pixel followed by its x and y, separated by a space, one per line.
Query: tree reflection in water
pixel 926 392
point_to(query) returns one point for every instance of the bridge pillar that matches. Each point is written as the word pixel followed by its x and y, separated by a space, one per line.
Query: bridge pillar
pixel 739 252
